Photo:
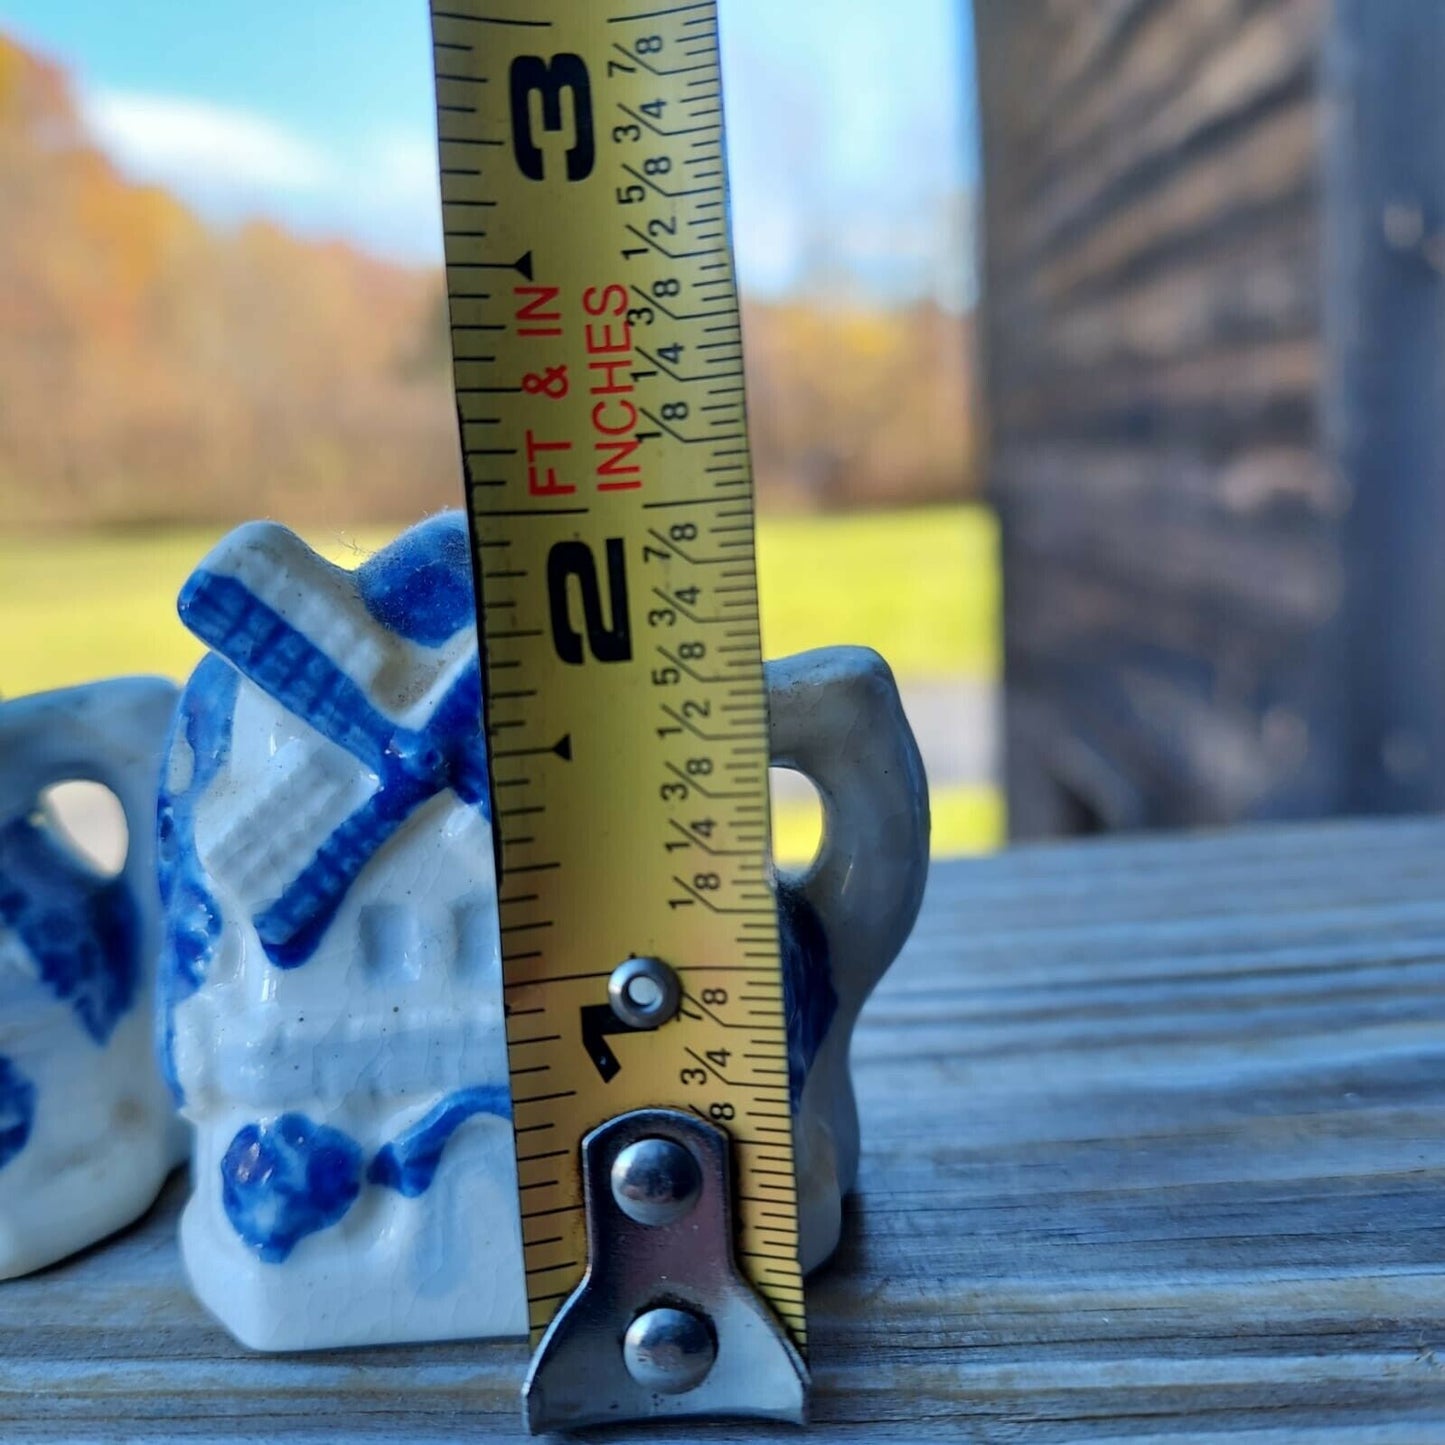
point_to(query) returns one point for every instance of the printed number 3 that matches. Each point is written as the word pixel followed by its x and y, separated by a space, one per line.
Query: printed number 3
pixel 549 79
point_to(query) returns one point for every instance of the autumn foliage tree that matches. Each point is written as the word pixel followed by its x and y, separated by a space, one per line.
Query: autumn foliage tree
pixel 155 370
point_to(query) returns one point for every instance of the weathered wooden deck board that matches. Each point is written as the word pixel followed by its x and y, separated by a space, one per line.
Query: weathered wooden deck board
pixel 1154 1150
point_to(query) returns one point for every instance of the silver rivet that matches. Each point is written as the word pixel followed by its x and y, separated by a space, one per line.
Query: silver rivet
pixel 655 1181
pixel 669 1350
pixel 644 992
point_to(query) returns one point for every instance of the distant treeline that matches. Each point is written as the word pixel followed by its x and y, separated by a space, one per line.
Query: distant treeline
pixel 154 370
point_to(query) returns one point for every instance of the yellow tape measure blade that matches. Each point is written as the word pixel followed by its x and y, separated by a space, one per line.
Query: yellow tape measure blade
pixel 598 348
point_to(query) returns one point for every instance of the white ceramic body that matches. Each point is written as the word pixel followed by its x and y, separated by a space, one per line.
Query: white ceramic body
pixel 89 1129
pixel 392 1010
pixel 309 1051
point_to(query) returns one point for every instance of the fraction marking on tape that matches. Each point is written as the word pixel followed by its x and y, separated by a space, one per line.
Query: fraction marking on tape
pixel 597 343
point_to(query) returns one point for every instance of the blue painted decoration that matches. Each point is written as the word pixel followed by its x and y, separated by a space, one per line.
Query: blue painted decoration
pixel 193 921
pixel 284 1180
pixel 421 586
pixel 411 765
pixel 17 1110
pixel 82 929
pixel 809 999
pixel 410 1162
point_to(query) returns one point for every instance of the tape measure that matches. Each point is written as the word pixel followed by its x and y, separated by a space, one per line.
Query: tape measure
pixel 599 382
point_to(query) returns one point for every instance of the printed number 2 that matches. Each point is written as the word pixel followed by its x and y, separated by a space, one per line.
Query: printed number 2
pixel 531 75
pixel 608 644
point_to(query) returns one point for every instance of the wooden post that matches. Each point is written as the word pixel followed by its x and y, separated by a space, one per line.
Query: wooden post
pixel 1214 329
pixel 1384 260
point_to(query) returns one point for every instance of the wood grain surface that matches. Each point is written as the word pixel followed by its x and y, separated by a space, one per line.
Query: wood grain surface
pixel 1154 1149
pixel 1153 327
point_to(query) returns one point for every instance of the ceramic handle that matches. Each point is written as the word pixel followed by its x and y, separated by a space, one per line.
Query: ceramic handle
pixel 836 717
pixel 106 732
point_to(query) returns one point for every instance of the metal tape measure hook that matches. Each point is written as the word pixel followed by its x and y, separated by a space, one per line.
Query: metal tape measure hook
pixel 663 1325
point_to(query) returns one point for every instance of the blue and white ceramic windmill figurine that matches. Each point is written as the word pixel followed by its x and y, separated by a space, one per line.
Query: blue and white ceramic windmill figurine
pixel 331 992
pixel 331 988
pixel 87 1130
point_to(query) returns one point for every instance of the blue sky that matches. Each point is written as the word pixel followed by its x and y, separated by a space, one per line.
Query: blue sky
pixel 851 128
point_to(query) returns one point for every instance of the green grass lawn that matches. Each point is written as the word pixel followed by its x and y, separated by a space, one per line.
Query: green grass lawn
pixel 920 586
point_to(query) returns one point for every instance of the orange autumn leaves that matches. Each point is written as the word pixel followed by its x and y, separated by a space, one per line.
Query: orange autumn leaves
pixel 155 370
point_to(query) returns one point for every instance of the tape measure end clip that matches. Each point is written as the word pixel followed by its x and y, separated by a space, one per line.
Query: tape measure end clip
pixel 663 1325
